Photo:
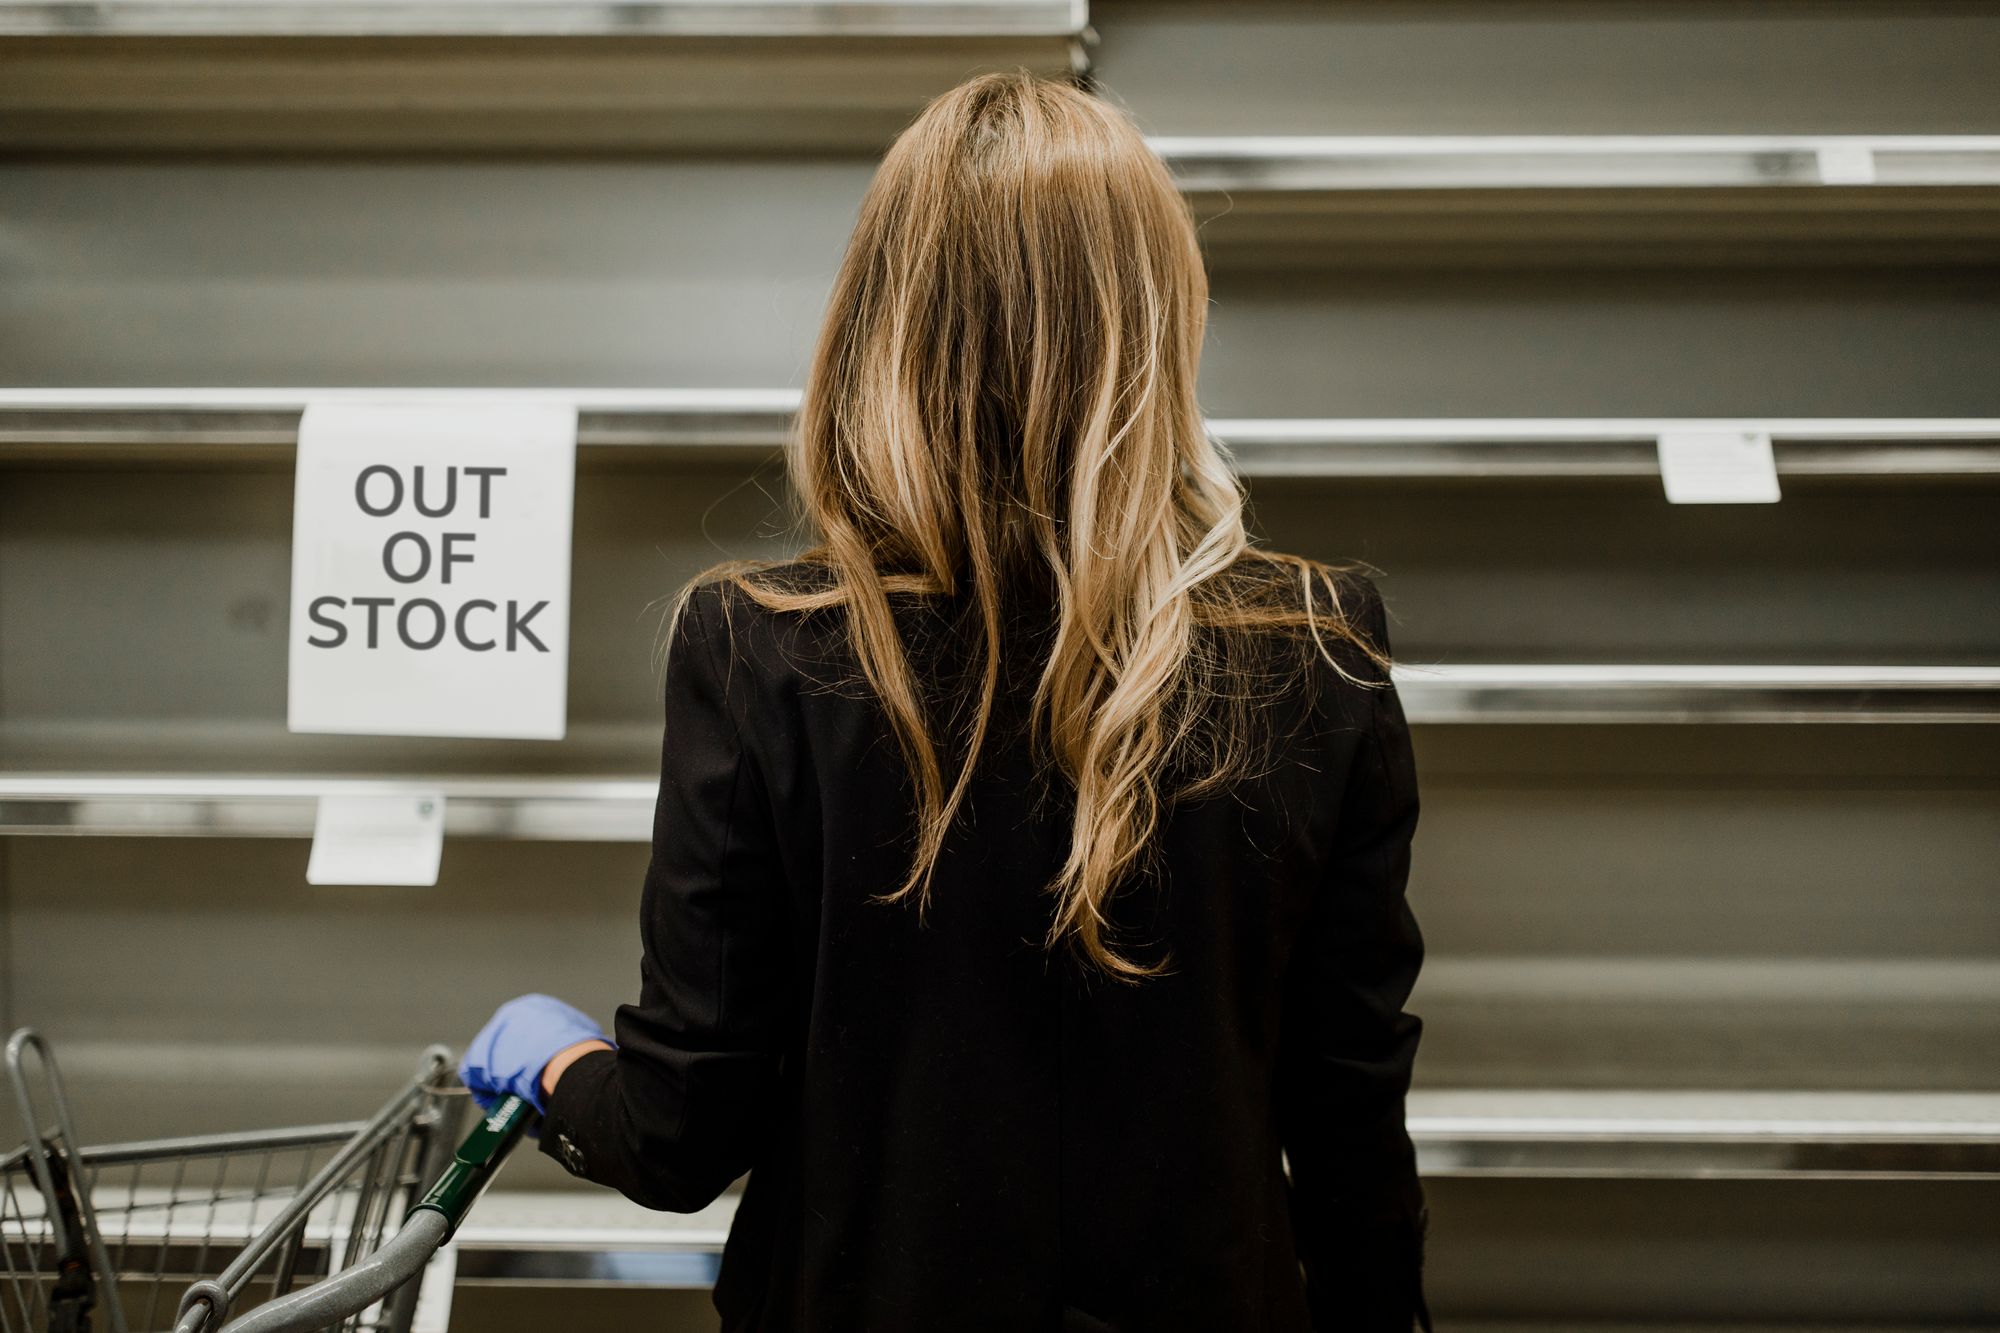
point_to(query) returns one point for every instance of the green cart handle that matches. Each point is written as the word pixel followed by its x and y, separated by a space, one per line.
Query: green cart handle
pixel 478 1159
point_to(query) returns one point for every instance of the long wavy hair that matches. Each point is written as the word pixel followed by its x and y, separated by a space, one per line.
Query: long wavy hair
pixel 1001 408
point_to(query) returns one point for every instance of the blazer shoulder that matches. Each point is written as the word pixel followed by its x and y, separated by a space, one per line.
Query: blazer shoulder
pixel 1340 676
pixel 1342 593
pixel 769 643
pixel 1363 608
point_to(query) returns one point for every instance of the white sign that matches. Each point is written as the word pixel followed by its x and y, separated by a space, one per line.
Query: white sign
pixel 1846 164
pixel 1718 467
pixel 430 569
pixel 395 838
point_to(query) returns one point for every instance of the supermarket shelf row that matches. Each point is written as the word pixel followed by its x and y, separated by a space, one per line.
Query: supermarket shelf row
pixel 541 18
pixel 1575 200
pixel 1286 199
pixel 568 1237
pixel 1473 1132
pixel 596 1236
pixel 619 807
pixel 223 426
pixel 502 75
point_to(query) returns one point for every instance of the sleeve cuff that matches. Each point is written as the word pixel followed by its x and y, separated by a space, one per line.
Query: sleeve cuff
pixel 574 1109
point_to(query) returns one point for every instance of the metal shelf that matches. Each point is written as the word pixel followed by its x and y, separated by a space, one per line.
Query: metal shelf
pixel 571 1236
pixel 248 425
pixel 1664 694
pixel 1583 199
pixel 501 75
pixel 222 426
pixel 1707 1135
pixel 620 808
pixel 1606 447
pixel 565 1237
pixel 1338 164
pixel 539 18
pixel 531 809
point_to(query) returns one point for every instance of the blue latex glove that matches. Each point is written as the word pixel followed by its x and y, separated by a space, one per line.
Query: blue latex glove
pixel 516 1045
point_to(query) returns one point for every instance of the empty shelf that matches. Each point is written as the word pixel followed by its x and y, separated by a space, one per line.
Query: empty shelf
pixel 553 809
pixel 243 425
pixel 1588 162
pixel 1712 1009
pixel 596 1236
pixel 549 75
pixel 1583 198
pixel 620 808
pixel 538 18
pixel 1747 694
pixel 572 1236
pixel 1680 1135
pixel 1585 447
pixel 45 426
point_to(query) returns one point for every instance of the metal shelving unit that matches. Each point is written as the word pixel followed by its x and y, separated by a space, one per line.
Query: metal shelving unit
pixel 1341 164
pixel 245 425
pixel 473 75
pixel 223 426
pixel 538 18
pixel 570 1237
pixel 1575 199
pixel 606 809
pixel 1610 447
pixel 620 808
pixel 1695 995
pixel 1578 693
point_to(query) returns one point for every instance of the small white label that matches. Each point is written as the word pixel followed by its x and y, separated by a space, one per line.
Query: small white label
pixel 433 1313
pixel 1718 467
pixel 378 839
pixel 1846 164
pixel 430 568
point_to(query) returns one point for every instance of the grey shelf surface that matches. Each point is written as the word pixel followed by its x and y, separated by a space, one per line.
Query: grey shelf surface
pixel 568 1236
pixel 555 809
pixel 224 426
pixel 1335 164
pixel 1609 692
pixel 538 18
pixel 619 808
pixel 545 76
pixel 597 1237
pixel 1581 200
pixel 1633 1134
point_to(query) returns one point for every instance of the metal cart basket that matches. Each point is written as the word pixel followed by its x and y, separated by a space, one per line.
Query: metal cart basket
pixel 291 1229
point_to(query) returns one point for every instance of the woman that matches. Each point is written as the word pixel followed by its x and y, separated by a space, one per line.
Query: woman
pixel 1028 873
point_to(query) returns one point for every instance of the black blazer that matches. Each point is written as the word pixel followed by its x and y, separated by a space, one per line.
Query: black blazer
pixel 947 1128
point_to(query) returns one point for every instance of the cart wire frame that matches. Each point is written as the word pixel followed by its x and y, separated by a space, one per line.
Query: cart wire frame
pixel 109 1231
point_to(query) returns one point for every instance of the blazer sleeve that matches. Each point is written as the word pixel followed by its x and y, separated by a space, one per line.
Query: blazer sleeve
pixel 686 1102
pixel 1348 1046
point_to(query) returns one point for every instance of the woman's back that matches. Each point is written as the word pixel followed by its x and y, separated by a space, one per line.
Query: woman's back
pixel 948 1125
pixel 1029 863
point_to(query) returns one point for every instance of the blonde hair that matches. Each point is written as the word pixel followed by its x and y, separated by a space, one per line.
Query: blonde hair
pixel 1003 397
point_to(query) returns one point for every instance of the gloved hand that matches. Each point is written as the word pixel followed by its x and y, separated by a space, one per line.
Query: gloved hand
pixel 516 1045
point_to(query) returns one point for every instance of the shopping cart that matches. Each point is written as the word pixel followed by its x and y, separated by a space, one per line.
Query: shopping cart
pixel 128 1237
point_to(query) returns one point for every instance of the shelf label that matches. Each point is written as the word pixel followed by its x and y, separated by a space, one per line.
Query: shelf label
pixel 1846 164
pixel 380 838
pixel 1718 467
pixel 430 569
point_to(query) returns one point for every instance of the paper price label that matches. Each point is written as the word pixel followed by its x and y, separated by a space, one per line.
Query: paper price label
pixel 379 838
pixel 1718 467
pixel 1846 164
